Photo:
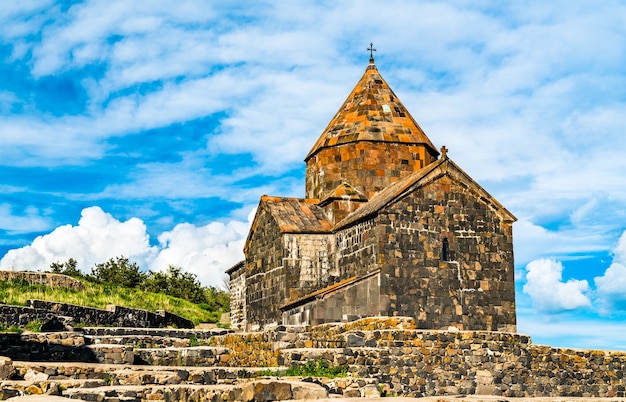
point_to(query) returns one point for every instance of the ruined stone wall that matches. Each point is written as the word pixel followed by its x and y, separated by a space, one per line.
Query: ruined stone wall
pixel 474 287
pixel 20 316
pixel 386 352
pixel 237 289
pixel 416 363
pixel 41 310
pixel 428 363
pixel 43 278
pixel 309 263
pixel 367 166
pixel 62 346
pixel 265 274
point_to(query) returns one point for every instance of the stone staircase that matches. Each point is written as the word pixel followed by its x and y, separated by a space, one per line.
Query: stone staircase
pixel 141 364
pixel 383 357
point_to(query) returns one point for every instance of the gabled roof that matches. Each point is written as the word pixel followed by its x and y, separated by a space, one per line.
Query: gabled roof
pixel 372 112
pixel 236 267
pixel 296 215
pixel 431 172
pixel 344 191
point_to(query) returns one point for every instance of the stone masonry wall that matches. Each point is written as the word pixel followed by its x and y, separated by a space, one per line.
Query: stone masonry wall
pixel 41 310
pixel 415 363
pixel 237 289
pixel 61 346
pixel 474 287
pixel 308 263
pixel 265 273
pixel 113 316
pixel 366 166
pixel 357 249
pixel 43 278
pixel 387 353
pixel 427 363
pixel 20 316
pixel 358 300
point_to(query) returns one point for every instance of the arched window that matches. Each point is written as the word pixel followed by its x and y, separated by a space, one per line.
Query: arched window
pixel 445 251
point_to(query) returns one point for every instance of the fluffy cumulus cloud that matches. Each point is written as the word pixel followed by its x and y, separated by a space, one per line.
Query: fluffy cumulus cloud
pixel 545 286
pixel 206 251
pixel 97 237
pixel 611 287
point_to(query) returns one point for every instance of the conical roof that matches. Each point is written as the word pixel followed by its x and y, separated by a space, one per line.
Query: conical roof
pixel 372 112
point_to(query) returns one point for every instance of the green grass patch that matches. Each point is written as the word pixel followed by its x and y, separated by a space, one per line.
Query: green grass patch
pixel 316 368
pixel 99 295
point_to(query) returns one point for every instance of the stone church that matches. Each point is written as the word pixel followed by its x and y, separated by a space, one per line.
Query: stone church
pixel 389 227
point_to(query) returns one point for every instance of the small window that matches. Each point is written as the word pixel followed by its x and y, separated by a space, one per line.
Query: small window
pixel 445 251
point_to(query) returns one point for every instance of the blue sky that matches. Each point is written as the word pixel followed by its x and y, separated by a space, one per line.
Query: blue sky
pixel 150 130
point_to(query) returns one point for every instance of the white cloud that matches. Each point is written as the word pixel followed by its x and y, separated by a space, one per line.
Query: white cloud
pixel 97 237
pixel 611 286
pixel 572 331
pixel 547 290
pixel 532 241
pixel 30 220
pixel 206 251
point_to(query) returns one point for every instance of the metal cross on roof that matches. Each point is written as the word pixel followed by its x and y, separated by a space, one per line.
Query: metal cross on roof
pixel 444 152
pixel 371 49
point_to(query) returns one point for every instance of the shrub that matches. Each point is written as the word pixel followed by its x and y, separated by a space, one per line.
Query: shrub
pixel 118 271
pixel 317 368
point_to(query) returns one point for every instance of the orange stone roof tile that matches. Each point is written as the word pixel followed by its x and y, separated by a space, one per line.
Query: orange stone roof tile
pixel 372 112
pixel 297 215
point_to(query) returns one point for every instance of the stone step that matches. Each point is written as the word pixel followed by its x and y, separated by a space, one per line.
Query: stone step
pixel 132 374
pixel 140 341
pixel 258 390
pixel 162 332
pixel 84 380
pixel 200 356
pixel 37 385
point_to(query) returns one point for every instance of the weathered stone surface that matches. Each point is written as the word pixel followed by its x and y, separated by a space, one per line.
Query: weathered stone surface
pixel 33 390
pixel 393 359
pixel 266 390
pixel 304 390
pixel 42 278
pixel 59 316
pixel 386 229
pixel 6 368
pixel 33 376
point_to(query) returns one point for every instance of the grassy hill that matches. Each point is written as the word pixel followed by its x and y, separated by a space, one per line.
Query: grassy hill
pixel 16 292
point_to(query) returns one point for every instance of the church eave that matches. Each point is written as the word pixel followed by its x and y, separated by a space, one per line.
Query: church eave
pixel 421 178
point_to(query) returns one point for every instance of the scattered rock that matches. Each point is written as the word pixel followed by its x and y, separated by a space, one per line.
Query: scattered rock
pixel 6 368
pixel 35 376
pixel 308 391
pixel 266 390
pixel 355 341
pixel 371 391
pixel 33 390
